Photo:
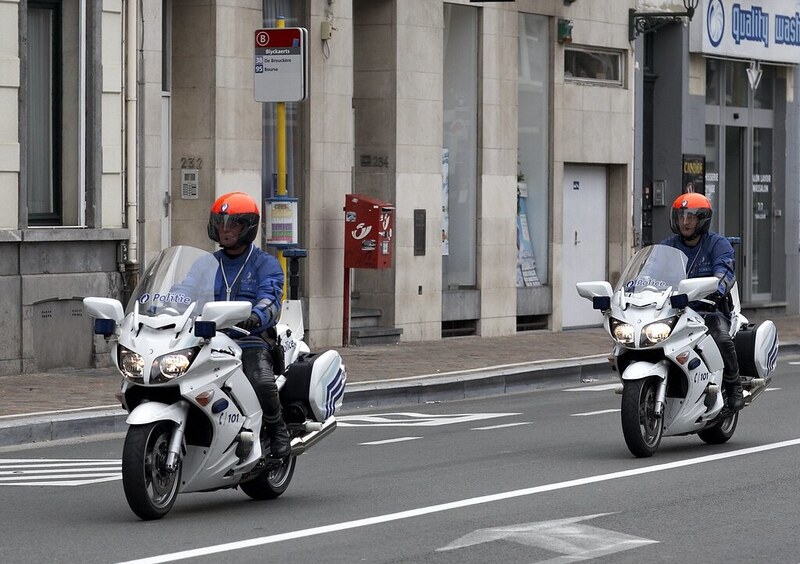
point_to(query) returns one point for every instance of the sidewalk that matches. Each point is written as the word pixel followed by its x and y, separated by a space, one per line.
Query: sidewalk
pixel 55 405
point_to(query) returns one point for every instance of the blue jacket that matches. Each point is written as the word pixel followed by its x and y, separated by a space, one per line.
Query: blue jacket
pixel 712 256
pixel 255 276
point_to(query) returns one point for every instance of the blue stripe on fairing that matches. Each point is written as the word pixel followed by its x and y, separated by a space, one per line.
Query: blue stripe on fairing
pixel 772 358
pixel 334 391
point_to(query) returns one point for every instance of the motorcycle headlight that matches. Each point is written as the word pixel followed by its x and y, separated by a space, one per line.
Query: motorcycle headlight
pixel 172 365
pixel 131 364
pixel 657 331
pixel 622 332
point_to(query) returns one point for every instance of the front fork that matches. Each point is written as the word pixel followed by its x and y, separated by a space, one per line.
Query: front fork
pixel 174 448
pixel 661 397
pixel 176 441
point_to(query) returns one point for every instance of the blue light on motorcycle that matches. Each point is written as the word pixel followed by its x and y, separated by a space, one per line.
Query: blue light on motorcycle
pixel 219 406
pixel 601 302
pixel 679 301
pixel 694 363
pixel 104 327
pixel 205 329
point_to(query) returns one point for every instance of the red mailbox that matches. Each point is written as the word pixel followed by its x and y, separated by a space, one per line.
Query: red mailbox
pixel 368 229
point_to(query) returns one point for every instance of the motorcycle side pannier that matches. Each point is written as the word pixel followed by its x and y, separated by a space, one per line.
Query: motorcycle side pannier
pixel 757 349
pixel 316 380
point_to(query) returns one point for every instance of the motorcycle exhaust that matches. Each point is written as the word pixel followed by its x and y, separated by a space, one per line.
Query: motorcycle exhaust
pixel 317 432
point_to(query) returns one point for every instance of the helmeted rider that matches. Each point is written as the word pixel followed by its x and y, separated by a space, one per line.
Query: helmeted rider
pixel 247 273
pixel 709 254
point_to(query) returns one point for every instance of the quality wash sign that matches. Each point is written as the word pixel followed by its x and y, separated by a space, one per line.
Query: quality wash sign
pixel 768 30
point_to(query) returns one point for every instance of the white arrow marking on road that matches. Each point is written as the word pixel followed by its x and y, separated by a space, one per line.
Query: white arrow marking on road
pixel 564 536
pixel 405 419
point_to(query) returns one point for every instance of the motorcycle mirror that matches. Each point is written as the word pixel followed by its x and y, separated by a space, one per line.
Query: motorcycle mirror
pixel 601 302
pixel 679 301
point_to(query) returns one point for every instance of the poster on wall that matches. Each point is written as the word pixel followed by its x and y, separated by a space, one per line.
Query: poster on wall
pixel 694 174
pixel 526 263
pixel 445 202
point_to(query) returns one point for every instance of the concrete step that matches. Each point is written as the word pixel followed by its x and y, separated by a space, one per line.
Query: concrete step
pixel 365 336
pixel 364 317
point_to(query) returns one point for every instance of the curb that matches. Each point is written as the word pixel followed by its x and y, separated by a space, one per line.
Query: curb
pixel 443 387
pixel 416 390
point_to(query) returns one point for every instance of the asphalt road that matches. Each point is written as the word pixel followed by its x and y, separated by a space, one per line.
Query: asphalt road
pixel 536 477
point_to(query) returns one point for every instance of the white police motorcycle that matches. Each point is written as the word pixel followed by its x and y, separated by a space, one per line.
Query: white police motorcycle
pixel 194 419
pixel 670 367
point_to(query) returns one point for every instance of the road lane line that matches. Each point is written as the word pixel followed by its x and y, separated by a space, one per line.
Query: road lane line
pixel 431 509
pixel 601 412
pixel 387 441
pixel 504 426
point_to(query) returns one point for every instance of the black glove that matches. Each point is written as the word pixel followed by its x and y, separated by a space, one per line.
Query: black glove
pixel 250 323
pixel 716 297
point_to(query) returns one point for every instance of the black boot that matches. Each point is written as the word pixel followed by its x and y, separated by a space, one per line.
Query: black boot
pixel 279 441
pixel 733 389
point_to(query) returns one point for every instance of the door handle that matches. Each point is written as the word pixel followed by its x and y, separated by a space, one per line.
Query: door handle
pixel 576 238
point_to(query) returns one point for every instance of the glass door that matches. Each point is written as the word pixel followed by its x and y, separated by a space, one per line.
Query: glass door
pixel 763 217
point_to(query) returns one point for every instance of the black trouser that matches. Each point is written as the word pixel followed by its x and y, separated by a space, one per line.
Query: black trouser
pixel 257 366
pixel 719 328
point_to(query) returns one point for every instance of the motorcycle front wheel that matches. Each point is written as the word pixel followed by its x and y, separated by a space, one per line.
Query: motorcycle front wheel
pixel 641 427
pixel 149 488
pixel 273 482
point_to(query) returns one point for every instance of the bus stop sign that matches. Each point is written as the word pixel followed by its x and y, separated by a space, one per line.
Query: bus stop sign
pixel 281 64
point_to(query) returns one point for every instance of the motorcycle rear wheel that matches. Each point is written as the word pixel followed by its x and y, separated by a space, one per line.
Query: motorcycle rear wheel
pixel 721 431
pixel 271 483
pixel 641 427
pixel 149 488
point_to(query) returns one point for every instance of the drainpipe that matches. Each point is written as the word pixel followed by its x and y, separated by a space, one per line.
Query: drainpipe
pixel 131 146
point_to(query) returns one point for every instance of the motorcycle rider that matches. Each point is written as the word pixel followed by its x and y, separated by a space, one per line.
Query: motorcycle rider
pixel 250 274
pixel 709 254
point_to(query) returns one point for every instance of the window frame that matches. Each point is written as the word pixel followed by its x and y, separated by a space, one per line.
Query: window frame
pixel 599 51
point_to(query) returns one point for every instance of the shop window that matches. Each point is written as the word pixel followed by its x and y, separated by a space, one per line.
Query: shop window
pixel 598 66
pixel 533 153
pixel 460 137
pixel 54 102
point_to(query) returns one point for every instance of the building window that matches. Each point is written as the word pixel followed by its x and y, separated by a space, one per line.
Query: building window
pixel 460 151
pixel 533 153
pixel 597 66
pixel 54 99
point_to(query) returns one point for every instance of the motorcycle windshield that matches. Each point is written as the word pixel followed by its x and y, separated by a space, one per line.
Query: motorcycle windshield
pixel 175 279
pixel 653 269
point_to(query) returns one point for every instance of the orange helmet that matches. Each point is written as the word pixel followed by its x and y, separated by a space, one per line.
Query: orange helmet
pixel 234 208
pixel 691 204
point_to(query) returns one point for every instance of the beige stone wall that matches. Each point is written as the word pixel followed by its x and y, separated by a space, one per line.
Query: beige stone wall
pixel 9 113
pixel 113 205
pixel 329 163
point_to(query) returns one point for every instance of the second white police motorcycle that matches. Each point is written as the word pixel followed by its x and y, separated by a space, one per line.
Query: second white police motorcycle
pixel 195 422
pixel 670 367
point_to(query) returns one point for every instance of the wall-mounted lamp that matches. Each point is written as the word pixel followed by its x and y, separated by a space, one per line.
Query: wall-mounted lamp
pixel 645 22
pixel 564 31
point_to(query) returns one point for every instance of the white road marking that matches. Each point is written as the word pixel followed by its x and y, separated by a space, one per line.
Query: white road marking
pixel 601 412
pixel 460 504
pixel 75 410
pixel 58 471
pixel 407 419
pixel 564 536
pixel 387 441
pixel 598 388
pixel 500 426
